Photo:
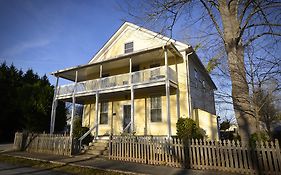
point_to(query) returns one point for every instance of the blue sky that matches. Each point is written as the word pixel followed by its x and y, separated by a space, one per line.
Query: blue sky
pixel 55 34
pixel 48 35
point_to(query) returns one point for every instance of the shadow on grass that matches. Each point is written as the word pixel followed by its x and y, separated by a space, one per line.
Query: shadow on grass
pixel 39 167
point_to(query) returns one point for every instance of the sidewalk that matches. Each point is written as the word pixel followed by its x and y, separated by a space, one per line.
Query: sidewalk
pixel 111 165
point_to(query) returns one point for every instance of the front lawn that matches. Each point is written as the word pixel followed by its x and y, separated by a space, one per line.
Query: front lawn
pixel 52 166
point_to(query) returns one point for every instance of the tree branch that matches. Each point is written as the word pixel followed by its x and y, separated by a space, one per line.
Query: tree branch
pixel 212 18
pixel 260 35
pixel 263 24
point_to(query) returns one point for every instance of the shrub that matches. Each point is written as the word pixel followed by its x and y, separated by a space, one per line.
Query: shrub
pixel 188 129
pixel 259 137
pixel 79 131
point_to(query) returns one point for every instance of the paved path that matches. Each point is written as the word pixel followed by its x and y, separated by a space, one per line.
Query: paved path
pixel 7 169
pixel 112 165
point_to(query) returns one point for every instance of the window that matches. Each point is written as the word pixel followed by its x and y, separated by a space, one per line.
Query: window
pixel 129 47
pixel 155 72
pixel 104 113
pixel 195 74
pixel 135 68
pixel 155 109
pixel 196 78
pixel 203 84
pixel 105 75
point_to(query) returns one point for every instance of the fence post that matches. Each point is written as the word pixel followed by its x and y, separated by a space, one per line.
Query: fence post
pixel 278 155
pixel 110 147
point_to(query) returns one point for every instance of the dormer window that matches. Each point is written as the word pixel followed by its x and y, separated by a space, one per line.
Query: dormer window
pixel 129 47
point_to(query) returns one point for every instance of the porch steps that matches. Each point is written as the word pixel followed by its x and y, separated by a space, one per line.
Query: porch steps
pixel 98 148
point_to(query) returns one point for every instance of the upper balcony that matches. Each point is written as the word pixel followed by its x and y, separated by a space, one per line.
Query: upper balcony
pixel 140 79
pixel 119 74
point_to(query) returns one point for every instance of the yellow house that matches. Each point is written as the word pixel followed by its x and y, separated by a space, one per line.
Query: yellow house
pixel 140 82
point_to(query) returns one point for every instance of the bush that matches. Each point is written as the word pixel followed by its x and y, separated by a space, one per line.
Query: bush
pixel 79 131
pixel 188 129
pixel 259 137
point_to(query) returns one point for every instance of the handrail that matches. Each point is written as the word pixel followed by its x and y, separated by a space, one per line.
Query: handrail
pixel 127 126
pixel 86 134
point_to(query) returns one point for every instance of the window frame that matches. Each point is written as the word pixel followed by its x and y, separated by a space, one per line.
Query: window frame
pixel 196 77
pixel 103 113
pixel 130 49
pixel 157 109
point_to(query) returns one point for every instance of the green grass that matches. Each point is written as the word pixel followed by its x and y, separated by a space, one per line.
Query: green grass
pixel 53 166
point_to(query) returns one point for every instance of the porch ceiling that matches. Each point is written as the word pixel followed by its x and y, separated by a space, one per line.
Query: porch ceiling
pixel 121 61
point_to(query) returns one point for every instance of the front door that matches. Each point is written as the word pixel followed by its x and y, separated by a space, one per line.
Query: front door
pixel 126 118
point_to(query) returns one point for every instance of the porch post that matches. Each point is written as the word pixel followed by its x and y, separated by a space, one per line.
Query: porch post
pixel 97 113
pixel 167 93
pixel 54 107
pixel 188 95
pixel 111 120
pixel 100 71
pixel 132 99
pixel 177 91
pixel 73 105
pixel 97 104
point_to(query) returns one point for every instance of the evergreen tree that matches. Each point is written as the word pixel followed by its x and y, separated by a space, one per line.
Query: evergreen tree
pixel 26 103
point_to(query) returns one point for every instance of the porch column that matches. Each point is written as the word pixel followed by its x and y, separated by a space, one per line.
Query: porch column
pixel 97 104
pixel 97 113
pixel 73 105
pixel 54 107
pixel 100 71
pixel 111 120
pixel 167 93
pixel 177 91
pixel 188 95
pixel 132 99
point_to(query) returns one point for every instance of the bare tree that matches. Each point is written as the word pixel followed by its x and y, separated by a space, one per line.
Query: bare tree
pixel 264 82
pixel 236 24
pixel 266 108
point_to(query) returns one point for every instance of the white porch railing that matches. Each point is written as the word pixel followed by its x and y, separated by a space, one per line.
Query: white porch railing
pixel 140 77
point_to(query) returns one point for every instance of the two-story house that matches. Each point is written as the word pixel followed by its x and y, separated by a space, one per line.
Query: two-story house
pixel 140 82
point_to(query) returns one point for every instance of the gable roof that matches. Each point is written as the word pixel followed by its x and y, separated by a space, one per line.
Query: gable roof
pixel 125 26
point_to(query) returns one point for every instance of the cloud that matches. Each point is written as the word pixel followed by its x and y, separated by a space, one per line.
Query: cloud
pixel 25 45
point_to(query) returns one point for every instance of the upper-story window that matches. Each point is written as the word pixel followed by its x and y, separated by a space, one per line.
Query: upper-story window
pixel 155 72
pixel 129 47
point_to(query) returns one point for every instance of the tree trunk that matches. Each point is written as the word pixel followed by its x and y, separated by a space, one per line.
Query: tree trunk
pixel 236 64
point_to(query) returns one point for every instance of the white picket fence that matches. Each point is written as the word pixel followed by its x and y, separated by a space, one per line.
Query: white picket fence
pixel 230 156
pixel 58 144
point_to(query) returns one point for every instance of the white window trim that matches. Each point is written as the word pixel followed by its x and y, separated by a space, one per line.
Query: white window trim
pixel 127 49
pixel 149 110
pixel 100 112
